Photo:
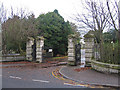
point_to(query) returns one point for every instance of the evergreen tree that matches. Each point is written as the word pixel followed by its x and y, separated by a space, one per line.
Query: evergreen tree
pixel 55 31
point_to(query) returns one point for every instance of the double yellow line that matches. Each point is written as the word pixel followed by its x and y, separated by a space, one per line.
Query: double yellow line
pixel 71 82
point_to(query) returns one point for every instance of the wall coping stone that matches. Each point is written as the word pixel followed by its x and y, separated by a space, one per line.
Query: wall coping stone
pixel 107 67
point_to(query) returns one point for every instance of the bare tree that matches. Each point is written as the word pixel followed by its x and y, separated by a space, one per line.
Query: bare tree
pixel 113 12
pixel 119 14
pixel 3 18
pixel 17 28
pixel 113 18
pixel 3 13
pixel 99 16
pixel 95 17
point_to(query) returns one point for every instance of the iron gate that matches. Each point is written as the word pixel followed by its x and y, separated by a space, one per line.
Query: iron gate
pixel 47 53
pixel 77 54
pixel 34 51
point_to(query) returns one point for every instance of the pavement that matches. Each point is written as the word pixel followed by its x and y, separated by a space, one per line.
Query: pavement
pixel 86 75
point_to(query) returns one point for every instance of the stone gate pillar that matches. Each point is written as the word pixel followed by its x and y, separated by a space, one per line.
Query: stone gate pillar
pixel 89 51
pixel 71 50
pixel 39 48
pixel 30 42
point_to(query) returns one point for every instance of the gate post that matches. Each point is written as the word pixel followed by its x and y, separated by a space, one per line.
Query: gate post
pixel 30 42
pixel 39 48
pixel 71 50
pixel 89 44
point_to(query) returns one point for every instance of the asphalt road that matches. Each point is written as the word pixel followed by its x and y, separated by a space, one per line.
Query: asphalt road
pixel 32 77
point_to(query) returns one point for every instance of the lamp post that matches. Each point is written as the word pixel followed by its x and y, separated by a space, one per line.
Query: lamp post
pixel 112 49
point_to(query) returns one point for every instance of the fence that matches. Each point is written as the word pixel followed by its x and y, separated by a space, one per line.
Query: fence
pixel 107 53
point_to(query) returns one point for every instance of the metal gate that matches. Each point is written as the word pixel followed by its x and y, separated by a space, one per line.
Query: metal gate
pixel 77 54
pixel 34 51
pixel 47 52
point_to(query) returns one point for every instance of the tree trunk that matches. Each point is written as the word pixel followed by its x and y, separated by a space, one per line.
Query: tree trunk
pixel 119 45
pixel 119 34
pixel 101 46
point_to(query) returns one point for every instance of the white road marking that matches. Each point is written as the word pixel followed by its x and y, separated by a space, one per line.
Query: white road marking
pixel 40 81
pixel 15 77
pixel 72 84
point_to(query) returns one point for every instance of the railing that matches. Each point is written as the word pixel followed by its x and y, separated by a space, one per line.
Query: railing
pixel 108 53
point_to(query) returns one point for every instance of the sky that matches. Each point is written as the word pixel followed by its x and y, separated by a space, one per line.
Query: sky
pixel 66 8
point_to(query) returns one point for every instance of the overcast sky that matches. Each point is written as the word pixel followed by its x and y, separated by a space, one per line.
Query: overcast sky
pixel 67 8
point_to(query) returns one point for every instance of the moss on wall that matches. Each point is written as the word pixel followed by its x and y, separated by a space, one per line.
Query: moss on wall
pixel 105 65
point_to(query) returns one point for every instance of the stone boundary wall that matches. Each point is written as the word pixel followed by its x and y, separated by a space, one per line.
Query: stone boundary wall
pixel 13 58
pixel 104 67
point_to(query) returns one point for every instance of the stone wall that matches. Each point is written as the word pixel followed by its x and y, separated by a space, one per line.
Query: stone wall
pixel 12 58
pixel 104 67
pixel 29 50
pixel 92 55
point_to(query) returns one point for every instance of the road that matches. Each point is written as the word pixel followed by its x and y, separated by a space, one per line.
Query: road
pixel 32 77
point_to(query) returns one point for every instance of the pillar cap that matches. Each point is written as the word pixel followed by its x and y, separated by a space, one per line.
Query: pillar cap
pixel 72 36
pixel 90 34
pixel 30 38
pixel 40 38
